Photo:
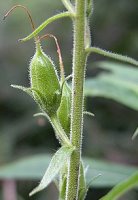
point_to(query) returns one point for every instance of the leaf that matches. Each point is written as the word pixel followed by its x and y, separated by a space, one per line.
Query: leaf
pixel 57 162
pixel 82 183
pixel 124 71
pixel 45 23
pixel 33 168
pixel 122 188
pixel 110 173
pixel 39 100
pixel 88 113
pixel 25 89
pixel 62 188
pixel 109 54
pixel 135 134
pixel 84 191
pixel 40 114
pixel 121 84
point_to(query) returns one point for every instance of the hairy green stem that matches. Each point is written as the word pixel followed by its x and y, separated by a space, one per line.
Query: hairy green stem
pixel 79 60
pixel 112 55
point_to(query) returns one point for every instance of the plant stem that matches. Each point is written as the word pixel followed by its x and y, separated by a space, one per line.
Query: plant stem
pixel 79 60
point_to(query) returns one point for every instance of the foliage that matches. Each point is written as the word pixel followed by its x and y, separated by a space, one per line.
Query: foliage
pixel 117 82
pixel 33 168
pixel 122 188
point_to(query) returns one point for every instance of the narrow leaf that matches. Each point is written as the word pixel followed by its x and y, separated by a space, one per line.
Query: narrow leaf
pixel 33 168
pixel 68 5
pixel 111 87
pixel 88 113
pixel 84 191
pixel 122 188
pixel 110 54
pixel 40 114
pixel 25 89
pixel 39 99
pixel 82 183
pixel 122 71
pixel 57 162
pixel 45 23
pixel 135 134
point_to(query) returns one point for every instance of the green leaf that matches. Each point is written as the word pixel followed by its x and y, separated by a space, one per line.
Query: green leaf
pixel 24 89
pixel 124 71
pixel 122 188
pixel 57 162
pixel 45 23
pixel 110 54
pixel 135 134
pixel 110 173
pixel 40 114
pixel 119 84
pixel 39 100
pixel 88 113
pixel 62 189
pixel 33 168
pixel 82 184
pixel 68 6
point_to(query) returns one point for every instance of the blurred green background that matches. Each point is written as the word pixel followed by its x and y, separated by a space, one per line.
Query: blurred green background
pixel 106 136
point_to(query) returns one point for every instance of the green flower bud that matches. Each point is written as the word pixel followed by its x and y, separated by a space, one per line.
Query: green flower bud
pixel 63 112
pixel 64 109
pixel 44 82
pixel 45 86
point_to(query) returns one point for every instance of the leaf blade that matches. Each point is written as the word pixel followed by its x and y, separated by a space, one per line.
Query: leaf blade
pixel 57 162
pixel 44 24
pixel 119 83
pixel 33 168
pixel 122 188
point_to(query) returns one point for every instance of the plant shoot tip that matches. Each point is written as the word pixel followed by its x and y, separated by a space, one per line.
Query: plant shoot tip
pixel 20 40
pixel 4 17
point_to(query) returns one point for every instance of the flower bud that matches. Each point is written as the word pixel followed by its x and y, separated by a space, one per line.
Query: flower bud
pixel 44 82
pixel 45 87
